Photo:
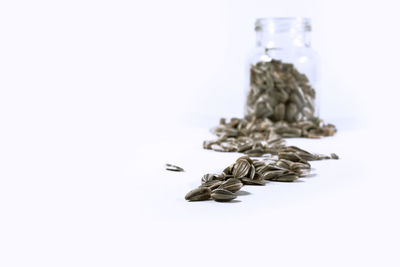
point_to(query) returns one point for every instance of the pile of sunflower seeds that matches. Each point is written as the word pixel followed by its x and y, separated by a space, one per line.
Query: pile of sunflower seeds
pixel 280 104
pixel 259 136
pixel 287 166
pixel 280 92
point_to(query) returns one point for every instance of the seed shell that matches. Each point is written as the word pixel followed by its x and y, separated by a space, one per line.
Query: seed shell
pixel 212 184
pixel 241 168
pixel 232 185
pixel 198 194
pixel 248 181
pixel 222 195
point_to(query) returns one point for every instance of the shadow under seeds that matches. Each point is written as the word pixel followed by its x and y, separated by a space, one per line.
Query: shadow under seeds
pixel 311 175
pixel 228 202
pixel 243 193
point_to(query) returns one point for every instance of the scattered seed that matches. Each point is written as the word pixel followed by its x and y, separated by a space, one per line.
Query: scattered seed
pixel 174 168
pixel 334 156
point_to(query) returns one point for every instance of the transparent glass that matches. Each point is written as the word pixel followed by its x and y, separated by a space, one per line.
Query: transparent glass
pixel 283 71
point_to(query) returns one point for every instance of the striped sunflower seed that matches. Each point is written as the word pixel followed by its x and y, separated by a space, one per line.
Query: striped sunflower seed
pixel 271 175
pixel 321 157
pixel 228 170
pixel 241 168
pixel 256 152
pixel 299 165
pixel 284 163
pixel 252 172
pixel 198 194
pixel 248 181
pixel 245 147
pixel 292 156
pixel 289 177
pixel 247 158
pixel 209 177
pixel 258 163
pixel 174 168
pixel 221 176
pixel 232 185
pixel 212 184
pixel 222 195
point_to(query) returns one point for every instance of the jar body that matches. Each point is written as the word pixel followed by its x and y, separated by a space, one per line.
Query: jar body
pixel 283 73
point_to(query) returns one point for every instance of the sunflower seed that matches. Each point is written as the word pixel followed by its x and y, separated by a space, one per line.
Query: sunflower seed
pixel 209 177
pixel 299 165
pixel 292 156
pixel 174 168
pixel 248 181
pixel 271 175
pixel 241 168
pixel 221 176
pixel 247 158
pixel 228 170
pixel 244 147
pixel 198 194
pixel 257 164
pixel 321 157
pixel 252 172
pixel 289 177
pixel 334 156
pixel 222 195
pixel 283 163
pixel 232 185
pixel 212 184
pixel 256 152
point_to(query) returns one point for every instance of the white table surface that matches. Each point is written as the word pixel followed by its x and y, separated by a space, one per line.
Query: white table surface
pixel 103 198
pixel 343 215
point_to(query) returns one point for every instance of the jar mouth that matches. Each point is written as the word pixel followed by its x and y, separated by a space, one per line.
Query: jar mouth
pixel 283 24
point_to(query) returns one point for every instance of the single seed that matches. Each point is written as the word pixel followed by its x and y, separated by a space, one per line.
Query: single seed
pixel 283 163
pixel 174 168
pixel 208 177
pixel 232 185
pixel 247 158
pixel 241 168
pixel 334 156
pixel 222 195
pixel 292 156
pixel 198 194
pixel 286 177
pixel 212 184
pixel 271 175
pixel 252 172
pixel 248 181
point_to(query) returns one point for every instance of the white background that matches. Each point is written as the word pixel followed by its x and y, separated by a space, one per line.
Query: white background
pixel 95 96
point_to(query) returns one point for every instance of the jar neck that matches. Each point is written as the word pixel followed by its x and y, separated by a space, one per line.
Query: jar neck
pixel 282 40
pixel 283 32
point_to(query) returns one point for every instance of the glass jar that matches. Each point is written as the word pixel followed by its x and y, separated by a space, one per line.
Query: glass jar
pixel 283 71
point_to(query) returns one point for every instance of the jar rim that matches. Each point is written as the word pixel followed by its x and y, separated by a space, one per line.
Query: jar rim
pixel 283 24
